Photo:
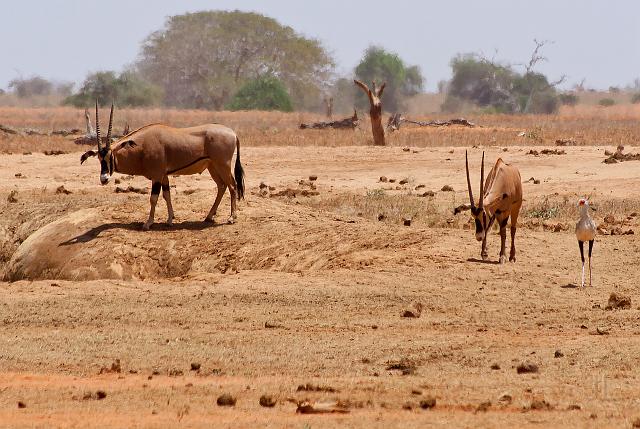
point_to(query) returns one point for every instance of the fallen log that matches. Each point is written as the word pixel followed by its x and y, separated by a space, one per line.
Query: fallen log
pixel 395 120
pixel 345 123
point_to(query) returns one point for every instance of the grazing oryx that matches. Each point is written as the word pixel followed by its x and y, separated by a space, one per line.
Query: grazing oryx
pixel 157 151
pixel 500 198
pixel 585 231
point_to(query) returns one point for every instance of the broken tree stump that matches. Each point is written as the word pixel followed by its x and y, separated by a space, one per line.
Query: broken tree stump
pixel 328 103
pixel 346 123
pixel 375 112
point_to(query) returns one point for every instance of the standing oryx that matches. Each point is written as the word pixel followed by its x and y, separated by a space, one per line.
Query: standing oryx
pixel 500 198
pixel 157 151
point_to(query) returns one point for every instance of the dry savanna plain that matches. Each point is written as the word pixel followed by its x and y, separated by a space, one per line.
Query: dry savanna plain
pixel 300 311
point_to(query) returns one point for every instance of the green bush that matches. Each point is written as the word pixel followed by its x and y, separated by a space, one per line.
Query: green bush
pixel 635 98
pixel 568 99
pixel 606 102
pixel 263 93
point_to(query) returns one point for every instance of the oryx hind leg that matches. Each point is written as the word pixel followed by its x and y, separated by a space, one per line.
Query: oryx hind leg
pixel 220 193
pixel 166 194
pixel 227 177
pixel 155 192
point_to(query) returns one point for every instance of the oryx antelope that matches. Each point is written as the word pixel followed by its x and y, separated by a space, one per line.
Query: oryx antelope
pixel 500 199
pixel 585 231
pixel 157 151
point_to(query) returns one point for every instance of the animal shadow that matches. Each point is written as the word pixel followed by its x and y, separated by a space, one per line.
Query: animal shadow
pixel 481 261
pixel 569 286
pixel 95 232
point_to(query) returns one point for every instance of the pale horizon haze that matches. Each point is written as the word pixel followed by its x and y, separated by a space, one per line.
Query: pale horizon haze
pixel 593 40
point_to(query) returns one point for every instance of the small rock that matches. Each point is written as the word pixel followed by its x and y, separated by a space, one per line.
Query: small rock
pixel 384 179
pixel 447 188
pixel 536 181
pixel 101 394
pixel 403 181
pixel 195 366
pixel 381 217
pixel 267 401
pixel 405 149
pixel 527 368
pixel 608 153
pixel 416 392
pixel 601 330
pixel 392 180
pixel 413 312
pixel 22 404
pixel 263 185
pixel 495 366
pixel 636 423
pixel 618 302
pixel 558 354
pixel 419 187
pixel 226 400
pixel 428 194
pixel 427 404
pixel 540 404
pixel 61 190
pixel 12 196
pixel 313 178
pixel 573 407
pixel 18 175
pixel 610 219
pixel 505 398
pixel 483 407
pixel 407 406
pixel 406 221
pixel 117 181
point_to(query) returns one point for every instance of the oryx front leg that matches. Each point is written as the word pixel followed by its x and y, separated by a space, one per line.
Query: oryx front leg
pixel 166 194
pixel 155 193
pixel 503 241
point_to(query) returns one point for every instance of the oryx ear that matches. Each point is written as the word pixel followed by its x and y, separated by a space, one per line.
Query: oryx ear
pixel 86 155
pixel 461 208
pixel 128 143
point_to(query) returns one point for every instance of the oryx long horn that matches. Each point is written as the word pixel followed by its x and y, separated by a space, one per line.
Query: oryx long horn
pixel 98 127
pixel 466 162
pixel 481 202
pixel 109 130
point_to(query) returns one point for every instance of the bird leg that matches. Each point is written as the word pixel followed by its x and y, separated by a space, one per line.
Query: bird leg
pixel 581 244
pixel 590 249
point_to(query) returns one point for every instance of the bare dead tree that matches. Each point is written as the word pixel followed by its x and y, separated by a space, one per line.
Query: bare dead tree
pixel 328 103
pixel 537 57
pixel 375 112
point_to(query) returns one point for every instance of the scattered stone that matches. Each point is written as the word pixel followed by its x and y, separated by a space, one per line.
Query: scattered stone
pixel 392 180
pixel 574 407
pixel 313 178
pixel 558 354
pixel 619 231
pixel 618 302
pixel 403 181
pixel 428 194
pixel 429 403
pixel 447 188
pixel 54 152
pixel 601 330
pixel 405 149
pixel 495 366
pixel 608 153
pixel 536 181
pixel 610 219
pixel 483 407
pixel 18 175
pixel 131 189
pixel 505 398
pixel 305 407
pixel 527 368
pixel 12 196
pixel 189 191
pixel 269 325
pixel 407 406
pixel 419 187
pixel 62 190
pixel 413 312
pixel 263 185
pixel 315 388
pixel 398 188
pixel 175 372
pixel 416 392
pixel 226 400
pixel 565 142
pixel 539 404
pixel 195 366
pixel 381 217
pixel 267 401
pixel 384 179
pixel 115 368
pixel 406 221
pixel 404 365
pixel 27 153
pixel 117 181
pixel 22 404
pixel 636 423
pixel 101 394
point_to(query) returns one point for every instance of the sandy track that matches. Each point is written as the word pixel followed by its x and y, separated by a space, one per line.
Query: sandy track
pixel 333 304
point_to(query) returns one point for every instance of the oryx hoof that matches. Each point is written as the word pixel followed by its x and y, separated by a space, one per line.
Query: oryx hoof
pixel 484 256
pixel 146 226
pixel 169 222
pixel 231 220
pixel 503 259
pixel 512 258
pixel 209 220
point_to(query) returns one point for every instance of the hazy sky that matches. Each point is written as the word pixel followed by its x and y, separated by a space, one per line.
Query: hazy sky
pixel 596 40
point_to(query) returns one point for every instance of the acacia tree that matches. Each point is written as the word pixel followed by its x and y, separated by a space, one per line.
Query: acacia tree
pixel 402 81
pixel 201 59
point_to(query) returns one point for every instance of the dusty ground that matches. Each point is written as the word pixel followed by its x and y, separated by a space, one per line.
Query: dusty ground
pixel 311 290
